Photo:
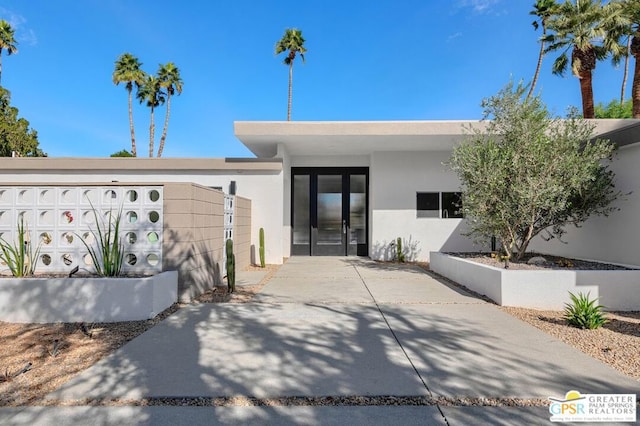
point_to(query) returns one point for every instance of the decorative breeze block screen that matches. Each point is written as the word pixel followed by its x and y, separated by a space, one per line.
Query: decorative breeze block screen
pixel 58 218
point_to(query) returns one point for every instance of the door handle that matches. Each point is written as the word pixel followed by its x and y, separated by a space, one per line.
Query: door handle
pixel 344 226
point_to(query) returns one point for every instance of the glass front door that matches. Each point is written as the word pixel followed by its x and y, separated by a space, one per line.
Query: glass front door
pixel 329 211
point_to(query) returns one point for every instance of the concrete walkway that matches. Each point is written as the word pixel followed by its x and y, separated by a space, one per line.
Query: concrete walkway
pixel 334 327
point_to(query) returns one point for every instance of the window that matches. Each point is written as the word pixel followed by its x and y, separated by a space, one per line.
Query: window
pixel 451 205
pixel 444 205
pixel 428 204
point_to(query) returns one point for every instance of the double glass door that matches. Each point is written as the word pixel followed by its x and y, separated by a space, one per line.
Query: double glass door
pixel 329 211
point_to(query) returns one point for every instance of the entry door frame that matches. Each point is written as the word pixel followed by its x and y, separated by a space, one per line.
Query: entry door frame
pixel 345 172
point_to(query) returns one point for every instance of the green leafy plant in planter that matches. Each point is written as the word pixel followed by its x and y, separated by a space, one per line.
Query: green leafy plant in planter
pixel 20 257
pixel 108 254
pixel 583 312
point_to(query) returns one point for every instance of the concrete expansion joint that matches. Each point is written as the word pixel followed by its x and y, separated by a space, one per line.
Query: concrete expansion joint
pixel 415 369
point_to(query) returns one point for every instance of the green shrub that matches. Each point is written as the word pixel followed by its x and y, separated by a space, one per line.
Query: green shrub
pixel 108 255
pixel 20 257
pixel 583 312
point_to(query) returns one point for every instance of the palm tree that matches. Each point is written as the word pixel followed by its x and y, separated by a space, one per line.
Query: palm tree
pixel 127 70
pixel 543 10
pixel 291 42
pixel 630 28
pixel 151 93
pixel 170 81
pixel 581 28
pixel 625 74
pixel 7 41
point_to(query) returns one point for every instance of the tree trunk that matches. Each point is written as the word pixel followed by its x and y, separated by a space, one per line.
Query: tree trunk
pixel 635 91
pixel 626 71
pixel 290 90
pixel 586 89
pixel 166 126
pixel 133 135
pixel 151 134
pixel 585 62
pixel 540 56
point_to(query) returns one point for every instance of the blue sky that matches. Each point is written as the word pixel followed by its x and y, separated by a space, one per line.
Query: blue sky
pixel 366 60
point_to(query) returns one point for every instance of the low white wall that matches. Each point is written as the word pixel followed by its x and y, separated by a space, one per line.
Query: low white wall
pixel 617 290
pixel 395 179
pixel 50 300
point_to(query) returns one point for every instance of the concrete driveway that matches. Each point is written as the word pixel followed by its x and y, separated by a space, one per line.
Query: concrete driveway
pixel 332 327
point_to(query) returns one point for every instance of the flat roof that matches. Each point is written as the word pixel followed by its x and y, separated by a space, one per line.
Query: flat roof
pixel 53 164
pixel 364 137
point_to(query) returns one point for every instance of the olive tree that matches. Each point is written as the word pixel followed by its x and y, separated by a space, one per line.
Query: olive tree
pixel 527 173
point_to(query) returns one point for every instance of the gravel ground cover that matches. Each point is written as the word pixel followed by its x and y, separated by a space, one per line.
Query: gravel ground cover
pixel 551 262
pixel 53 353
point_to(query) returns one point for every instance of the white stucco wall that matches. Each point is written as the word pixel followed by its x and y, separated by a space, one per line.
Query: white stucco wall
pixel 395 178
pixel 264 189
pixel 615 238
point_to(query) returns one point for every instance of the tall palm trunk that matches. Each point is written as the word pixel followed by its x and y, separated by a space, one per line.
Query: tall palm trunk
pixel 635 90
pixel 166 126
pixel 152 129
pixel 626 71
pixel 539 65
pixel 586 90
pixel 586 58
pixel 290 90
pixel 133 135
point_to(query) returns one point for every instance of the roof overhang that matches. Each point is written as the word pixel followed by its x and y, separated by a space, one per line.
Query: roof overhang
pixel 364 137
pixel 139 165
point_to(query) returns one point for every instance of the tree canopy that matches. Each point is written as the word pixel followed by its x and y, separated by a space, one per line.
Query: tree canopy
pixel 7 40
pixel 15 133
pixel 529 174
pixel 614 109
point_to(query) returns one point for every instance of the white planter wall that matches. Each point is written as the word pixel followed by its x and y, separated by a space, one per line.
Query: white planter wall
pixel 617 290
pixel 51 300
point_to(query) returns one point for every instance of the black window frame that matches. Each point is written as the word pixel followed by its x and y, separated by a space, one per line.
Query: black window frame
pixel 439 205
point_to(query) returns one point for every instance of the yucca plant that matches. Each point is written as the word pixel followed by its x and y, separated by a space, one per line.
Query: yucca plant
pixel 20 257
pixel 583 312
pixel 108 255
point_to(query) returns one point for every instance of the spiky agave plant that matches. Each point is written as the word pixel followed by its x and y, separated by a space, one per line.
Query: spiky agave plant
pixel 583 312
pixel 108 255
pixel 20 257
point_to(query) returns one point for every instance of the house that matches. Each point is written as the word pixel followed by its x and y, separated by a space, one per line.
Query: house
pixel 352 188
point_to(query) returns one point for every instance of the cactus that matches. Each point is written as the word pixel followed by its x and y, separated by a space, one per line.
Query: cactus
pixel 399 252
pixel 262 247
pixel 231 266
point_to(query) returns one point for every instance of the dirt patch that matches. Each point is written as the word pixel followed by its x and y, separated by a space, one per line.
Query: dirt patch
pixel 617 343
pixel 54 353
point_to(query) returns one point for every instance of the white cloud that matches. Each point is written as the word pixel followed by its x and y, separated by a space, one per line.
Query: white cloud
pixel 479 6
pixel 24 34
pixel 454 36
